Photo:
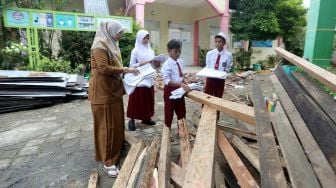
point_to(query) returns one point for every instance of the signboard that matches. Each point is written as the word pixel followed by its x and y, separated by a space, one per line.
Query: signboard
pixel 86 22
pixel 30 18
pixel 262 43
pixel 65 21
pixel 17 18
pixel 42 20
pixel 127 23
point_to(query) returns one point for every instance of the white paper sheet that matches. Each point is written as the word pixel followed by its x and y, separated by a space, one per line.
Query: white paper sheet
pixel 161 58
pixel 212 73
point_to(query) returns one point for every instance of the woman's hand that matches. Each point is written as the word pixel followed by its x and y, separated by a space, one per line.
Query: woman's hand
pixel 185 87
pixel 132 70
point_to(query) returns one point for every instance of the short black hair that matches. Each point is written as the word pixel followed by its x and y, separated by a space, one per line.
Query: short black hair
pixel 174 44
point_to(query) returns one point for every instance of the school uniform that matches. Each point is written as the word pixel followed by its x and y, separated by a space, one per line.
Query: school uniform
pixel 221 61
pixel 172 71
pixel 141 101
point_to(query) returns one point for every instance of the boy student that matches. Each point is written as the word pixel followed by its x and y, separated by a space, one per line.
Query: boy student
pixel 173 79
pixel 219 59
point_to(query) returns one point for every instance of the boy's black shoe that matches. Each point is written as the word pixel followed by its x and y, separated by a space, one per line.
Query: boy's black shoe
pixel 148 122
pixel 131 125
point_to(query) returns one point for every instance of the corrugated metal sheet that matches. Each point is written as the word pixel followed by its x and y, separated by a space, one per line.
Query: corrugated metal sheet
pixel 96 7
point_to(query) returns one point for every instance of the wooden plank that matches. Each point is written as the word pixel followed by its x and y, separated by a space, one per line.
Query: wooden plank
pixel 325 101
pixel 177 174
pixel 200 168
pixel 319 162
pixel 231 180
pixel 132 182
pixel 271 172
pixel 149 165
pixel 126 169
pixel 300 171
pixel 164 159
pixel 130 138
pixel 243 176
pixel 319 124
pixel 185 147
pixel 248 153
pixel 324 76
pixel 235 110
pixel 247 134
pixel 93 180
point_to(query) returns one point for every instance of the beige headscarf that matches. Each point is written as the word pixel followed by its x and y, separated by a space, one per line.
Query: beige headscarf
pixel 103 40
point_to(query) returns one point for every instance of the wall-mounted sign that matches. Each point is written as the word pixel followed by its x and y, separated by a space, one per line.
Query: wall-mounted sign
pixel 30 18
pixel 43 20
pixel 17 18
pixel 86 22
pixel 65 21
pixel 126 22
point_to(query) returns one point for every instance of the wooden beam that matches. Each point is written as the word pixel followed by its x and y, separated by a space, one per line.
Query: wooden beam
pixel 325 101
pixel 177 174
pixel 271 172
pixel 132 182
pixel 130 138
pixel 319 162
pixel 200 168
pixel 248 153
pixel 235 110
pixel 164 159
pixel 247 134
pixel 299 169
pixel 243 176
pixel 126 169
pixel 93 180
pixel 322 128
pixel 324 76
pixel 149 165
pixel 185 147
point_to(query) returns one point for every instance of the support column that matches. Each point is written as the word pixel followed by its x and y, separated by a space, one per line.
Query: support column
pixel 140 13
pixel 320 32
pixel 225 19
pixel 196 38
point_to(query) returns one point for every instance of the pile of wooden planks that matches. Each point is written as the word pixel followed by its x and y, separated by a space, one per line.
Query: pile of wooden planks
pixel 294 146
pixel 25 89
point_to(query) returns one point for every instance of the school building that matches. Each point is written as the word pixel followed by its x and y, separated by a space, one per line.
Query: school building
pixel 194 22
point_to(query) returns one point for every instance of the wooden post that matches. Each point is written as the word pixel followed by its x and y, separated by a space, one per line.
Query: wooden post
pixel 185 147
pixel 319 162
pixel 235 110
pixel 247 152
pixel 271 172
pixel 126 169
pixel 164 159
pixel 243 176
pixel 200 168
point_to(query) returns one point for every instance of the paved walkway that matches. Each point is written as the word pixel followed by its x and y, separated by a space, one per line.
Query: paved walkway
pixel 53 146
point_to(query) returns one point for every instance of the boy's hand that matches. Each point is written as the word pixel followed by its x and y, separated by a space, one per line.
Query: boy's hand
pixel 185 87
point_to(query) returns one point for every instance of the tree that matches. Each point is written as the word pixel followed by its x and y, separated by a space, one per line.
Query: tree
pixel 255 20
pixel 292 18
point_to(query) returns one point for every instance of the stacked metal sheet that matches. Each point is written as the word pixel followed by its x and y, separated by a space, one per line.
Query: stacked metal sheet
pixel 26 89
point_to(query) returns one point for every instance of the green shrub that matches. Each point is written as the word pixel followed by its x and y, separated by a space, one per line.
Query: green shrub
pixel 14 56
pixel 202 56
pixel 242 59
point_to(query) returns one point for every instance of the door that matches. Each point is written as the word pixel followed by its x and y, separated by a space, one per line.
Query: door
pixel 183 32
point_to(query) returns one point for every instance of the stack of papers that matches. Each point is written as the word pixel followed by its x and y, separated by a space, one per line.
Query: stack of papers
pixel 131 80
pixel 212 73
pixel 178 93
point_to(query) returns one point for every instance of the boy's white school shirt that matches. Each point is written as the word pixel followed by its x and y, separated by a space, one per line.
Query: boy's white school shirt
pixel 225 62
pixel 170 71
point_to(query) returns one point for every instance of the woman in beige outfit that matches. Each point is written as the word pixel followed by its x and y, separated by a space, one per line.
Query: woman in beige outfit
pixel 105 94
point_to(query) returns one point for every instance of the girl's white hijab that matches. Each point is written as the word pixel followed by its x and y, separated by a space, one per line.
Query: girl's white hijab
pixel 104 40
pixel 144 51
